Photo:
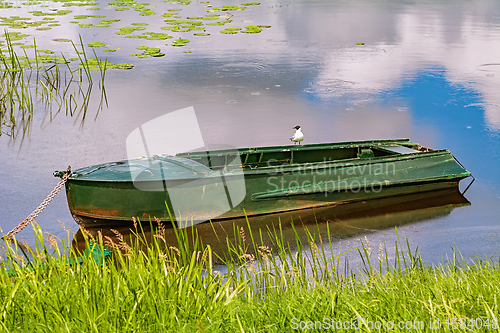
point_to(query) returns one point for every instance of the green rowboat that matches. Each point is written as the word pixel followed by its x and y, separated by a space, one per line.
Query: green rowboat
pixel 224 184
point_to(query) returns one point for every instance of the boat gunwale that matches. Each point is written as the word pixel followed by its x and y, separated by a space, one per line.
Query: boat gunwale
pixel 306 147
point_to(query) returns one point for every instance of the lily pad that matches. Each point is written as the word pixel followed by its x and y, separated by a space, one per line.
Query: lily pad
pixel 96 44
pixel 109 50
pixel 180 42
pixel 124 66
pixel 202 34
pixel 229 32
pixel 251 4
pixel 360 43
pixel 140 24
pixel 62 40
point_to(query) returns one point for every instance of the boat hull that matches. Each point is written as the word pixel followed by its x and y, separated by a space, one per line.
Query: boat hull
pixel 268 190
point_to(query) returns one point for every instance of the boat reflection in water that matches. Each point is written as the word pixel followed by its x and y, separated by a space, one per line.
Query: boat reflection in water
pixel 342 221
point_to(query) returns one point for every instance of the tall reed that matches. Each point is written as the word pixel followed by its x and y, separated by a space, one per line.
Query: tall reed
pixel 56 84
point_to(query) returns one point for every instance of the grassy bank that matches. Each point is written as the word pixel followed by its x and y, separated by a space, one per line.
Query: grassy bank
pixel 154 286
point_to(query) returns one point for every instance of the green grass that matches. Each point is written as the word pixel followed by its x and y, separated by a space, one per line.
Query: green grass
pixel 152 286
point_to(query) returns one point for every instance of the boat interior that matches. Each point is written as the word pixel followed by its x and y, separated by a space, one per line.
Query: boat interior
pixel 252 158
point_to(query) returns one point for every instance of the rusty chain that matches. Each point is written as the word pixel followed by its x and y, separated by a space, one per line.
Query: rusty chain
pixel 40 208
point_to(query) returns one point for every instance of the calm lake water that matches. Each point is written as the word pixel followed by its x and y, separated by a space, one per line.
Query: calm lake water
pixel 428 71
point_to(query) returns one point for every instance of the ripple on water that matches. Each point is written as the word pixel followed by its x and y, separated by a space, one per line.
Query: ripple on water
pixel 493 68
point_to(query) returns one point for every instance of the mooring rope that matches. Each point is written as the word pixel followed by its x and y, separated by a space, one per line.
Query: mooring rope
pixel 40 208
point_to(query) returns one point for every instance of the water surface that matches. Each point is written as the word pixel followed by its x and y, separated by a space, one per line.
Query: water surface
pixel 428 70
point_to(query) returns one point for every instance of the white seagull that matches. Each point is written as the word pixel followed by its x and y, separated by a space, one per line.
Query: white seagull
pixel 298 136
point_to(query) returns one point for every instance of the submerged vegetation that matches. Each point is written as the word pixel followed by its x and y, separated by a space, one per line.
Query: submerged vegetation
pixel 151 285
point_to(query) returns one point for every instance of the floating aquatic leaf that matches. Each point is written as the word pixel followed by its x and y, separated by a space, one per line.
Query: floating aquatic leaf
pixel 120 9
pixel 147 13
pixel 233 29
pixel 188 52
pixel 43 28
pixel 83 25
pixel 194 18
pixel 229 32
pixel 94 8
pixel 251 4
pixel 157 36
pixel 124 66
pixel 96 44
pixel 152 50
pixel 45 51
pixel 140 23
pixel 129 30
pixel 61 40
pixel 174 10
pixel 360 43
pixel 252 29
pixel 110 20
pixel 135 36
pixel 102 25
pixel 202 34
pixel 263 26
pixel 142 47
pixel 177 29
pixel 28 46
pixel 167 15
pixel 180 42
pixel 109 50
